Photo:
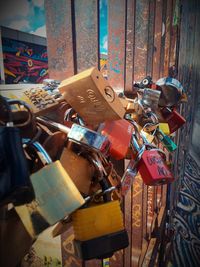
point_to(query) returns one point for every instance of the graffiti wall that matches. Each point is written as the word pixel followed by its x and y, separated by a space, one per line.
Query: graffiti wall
pixel 24 62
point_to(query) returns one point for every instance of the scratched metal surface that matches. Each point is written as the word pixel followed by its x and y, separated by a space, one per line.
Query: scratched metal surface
pixel 168 22
pixel 150 37
pixel 141 39
pixel 137 199
pixel 86 31
pixel 157 39
pixel 116 43
pixel 59 39
pixel 129 44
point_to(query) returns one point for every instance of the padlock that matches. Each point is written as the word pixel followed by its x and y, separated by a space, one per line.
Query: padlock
pixel 164 127
pixel 83 136
pixel 151 165
pixel 91 96
pixel 56 196
pixel 173 118
pixel 171 91
pixel 150 98
pixel 166 140
pixel 99 231
pixel 79 169
pixel 119 134
pixel 15 185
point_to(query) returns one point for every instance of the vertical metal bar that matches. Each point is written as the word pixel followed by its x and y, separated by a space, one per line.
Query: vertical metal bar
pixel 150 49
pixel 117 259
pixel 173 48
pixel 59 39
pixel 136 220
pixel 144 224
pixel 130 21
pixel 116 43
pixel 167 37
pixel 157 40
pixel 141 39
pixel 87 30
pixel 68 258
pixel 163 37
pixel 2 74
pixel 128 221
pixel 150 209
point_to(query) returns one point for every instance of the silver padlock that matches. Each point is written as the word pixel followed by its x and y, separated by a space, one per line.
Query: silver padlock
pixel 81 135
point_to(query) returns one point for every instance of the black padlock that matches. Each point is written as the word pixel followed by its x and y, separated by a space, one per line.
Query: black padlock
pixel 15 184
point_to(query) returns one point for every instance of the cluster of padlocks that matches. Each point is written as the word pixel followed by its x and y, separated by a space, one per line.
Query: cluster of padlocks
pixel 57 152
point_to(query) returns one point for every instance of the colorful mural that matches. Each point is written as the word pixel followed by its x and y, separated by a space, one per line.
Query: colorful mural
pixel 24 62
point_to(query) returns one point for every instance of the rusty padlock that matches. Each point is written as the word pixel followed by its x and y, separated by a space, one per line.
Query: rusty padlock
pixel 173 118
pixel 56 196
pixel 91 96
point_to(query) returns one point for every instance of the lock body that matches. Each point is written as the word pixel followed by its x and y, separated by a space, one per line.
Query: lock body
pixel 173 118
pixel 78 168
pixel 99 231
pixel 97 221
pixel 88 138
pixel 56 196
pixel 167 141
pixel 171 91
pixel 119 133
pixel 164 127
pixel 153 169
pixel 101 247
pixel 151 98
pixel 91 96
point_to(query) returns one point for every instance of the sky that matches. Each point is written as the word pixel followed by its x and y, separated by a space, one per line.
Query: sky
pixel 29 16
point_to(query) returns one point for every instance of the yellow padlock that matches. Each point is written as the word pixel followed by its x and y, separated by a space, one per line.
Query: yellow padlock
pixel 91 96
pixel 164 127
pixel 96 221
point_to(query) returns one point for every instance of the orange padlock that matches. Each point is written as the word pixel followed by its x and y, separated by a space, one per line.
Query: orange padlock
pixel 119 133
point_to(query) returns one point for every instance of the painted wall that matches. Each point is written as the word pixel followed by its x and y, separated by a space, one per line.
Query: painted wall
pixel 24 62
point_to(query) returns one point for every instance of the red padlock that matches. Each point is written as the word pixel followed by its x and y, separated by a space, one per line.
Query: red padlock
pixel 119 133
pixel 173 118
pixel 151 166
pixel 153 169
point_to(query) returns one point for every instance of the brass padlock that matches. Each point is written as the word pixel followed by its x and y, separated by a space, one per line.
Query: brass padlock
pixel 91 96
pixel 56 196
pixel 79 169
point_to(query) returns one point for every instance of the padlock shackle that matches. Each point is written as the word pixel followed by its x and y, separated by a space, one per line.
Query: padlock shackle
pixel 56 125
pixel 5 103
pixel 39 148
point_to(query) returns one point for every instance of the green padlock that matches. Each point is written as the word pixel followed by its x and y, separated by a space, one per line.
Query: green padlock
pixel 166 140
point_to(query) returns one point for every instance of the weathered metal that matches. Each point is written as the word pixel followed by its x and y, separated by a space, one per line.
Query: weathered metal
pixel 59 39
pixel 116 43
pixel 86 34
pixel 141 41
